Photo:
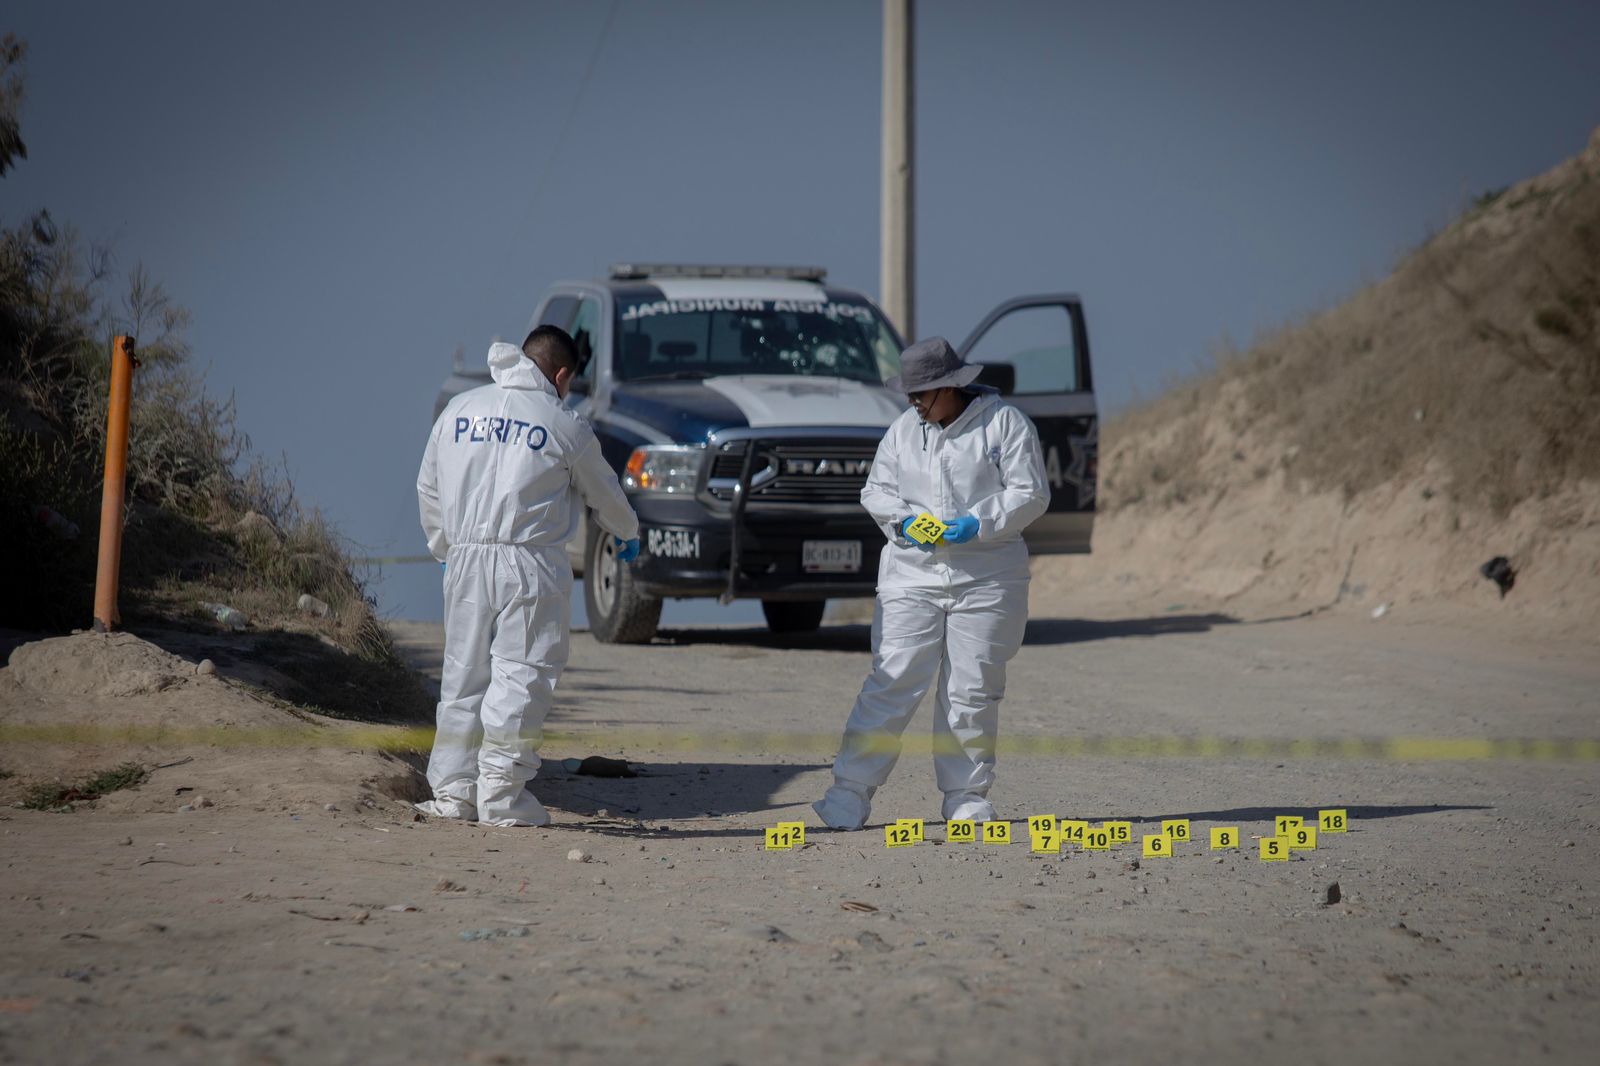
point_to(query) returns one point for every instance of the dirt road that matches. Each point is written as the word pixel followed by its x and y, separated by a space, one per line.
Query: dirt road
pixel 1466 931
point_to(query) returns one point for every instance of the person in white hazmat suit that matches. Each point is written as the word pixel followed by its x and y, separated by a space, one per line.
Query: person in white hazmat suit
pixel 503 484
pixel 951 615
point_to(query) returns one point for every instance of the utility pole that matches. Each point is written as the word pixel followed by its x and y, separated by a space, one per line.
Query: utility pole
pixel 897 274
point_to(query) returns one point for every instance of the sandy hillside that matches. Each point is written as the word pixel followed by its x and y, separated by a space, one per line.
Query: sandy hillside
pixel 1382 451
pixel 106 700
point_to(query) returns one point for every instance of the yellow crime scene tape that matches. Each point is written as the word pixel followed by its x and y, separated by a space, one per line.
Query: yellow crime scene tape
pixel 667 741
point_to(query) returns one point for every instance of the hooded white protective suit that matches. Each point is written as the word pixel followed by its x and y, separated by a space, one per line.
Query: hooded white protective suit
pixel 949 619
pixel 502 488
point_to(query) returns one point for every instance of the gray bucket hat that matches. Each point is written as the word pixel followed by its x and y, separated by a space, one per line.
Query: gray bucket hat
pixel 932 364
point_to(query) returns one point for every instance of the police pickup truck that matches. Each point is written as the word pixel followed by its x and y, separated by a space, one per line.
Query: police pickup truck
pixel 741 407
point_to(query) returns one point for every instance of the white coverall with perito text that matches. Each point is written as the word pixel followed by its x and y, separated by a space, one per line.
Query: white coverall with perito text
pixel 949 619
pixel 502 488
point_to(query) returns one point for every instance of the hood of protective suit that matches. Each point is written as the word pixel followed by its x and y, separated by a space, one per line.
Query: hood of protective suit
pixel 507 463
pixel 513 370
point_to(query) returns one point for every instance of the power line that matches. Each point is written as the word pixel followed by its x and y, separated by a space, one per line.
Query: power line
pixel 566 126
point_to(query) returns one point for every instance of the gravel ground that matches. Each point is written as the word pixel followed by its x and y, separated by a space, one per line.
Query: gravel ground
pixel 1466 929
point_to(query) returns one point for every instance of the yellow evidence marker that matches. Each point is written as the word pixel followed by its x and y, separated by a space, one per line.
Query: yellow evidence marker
pixel 1274 849
pixel 797 830
pixel 926 529
pixel 897 836
pixel 1177 829
pixel 1072 830
pixel 1097 839
pixel 1333 821
pixel 1046 843
pixel 1042 823
pixel 915 825
pixel 1225 837
pixel 780 838
pixel 960 831
pixel 1157 846
pixel 997 832
pixel 1121 832
pixel 1303 838
pixel 1286 822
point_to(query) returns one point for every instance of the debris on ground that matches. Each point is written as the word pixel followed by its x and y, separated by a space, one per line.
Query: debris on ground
pixel 770 933
pixel 599 766
pixel 1501 572
pixel 231 617
pixel 494 934
pixel 1333 895
pixel 578 855
pixel 359 918
pixel 309 604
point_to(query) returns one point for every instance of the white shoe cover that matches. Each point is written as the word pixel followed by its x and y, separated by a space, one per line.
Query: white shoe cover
pixel 843 807
pixel 448 808
pixel 525 810
pixel 966 805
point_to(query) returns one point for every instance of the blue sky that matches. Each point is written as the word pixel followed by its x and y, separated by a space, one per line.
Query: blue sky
pixel 342 193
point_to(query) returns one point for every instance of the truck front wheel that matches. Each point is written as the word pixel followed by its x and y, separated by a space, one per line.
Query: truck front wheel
pixel 619 611
pixel 785 616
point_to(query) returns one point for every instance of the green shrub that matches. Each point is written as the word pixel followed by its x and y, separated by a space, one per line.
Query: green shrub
pixel 53 795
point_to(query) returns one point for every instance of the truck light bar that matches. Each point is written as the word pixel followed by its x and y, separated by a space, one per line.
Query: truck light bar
pixel 632 271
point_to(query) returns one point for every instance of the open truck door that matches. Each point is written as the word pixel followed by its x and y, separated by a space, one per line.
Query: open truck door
pixel 1035 350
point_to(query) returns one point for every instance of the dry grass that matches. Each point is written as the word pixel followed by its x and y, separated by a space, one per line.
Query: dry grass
pixel 201 525
pixel 1479 357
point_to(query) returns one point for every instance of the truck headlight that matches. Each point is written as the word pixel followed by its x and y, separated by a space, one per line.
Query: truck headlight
pixel 663 468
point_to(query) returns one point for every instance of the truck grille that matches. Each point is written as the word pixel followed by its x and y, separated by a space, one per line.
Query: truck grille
pixel 795 472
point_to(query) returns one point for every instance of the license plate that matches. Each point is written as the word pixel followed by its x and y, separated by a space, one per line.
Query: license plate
pixel 830 556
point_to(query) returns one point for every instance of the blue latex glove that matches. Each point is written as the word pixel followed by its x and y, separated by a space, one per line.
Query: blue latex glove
pixel 961 530
pixel 921 547
pixel 627 551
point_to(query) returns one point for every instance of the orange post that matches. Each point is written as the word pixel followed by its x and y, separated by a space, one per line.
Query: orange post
pixel 111 498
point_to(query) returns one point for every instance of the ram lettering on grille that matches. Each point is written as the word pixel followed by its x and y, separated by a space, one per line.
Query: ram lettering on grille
pixel 828 467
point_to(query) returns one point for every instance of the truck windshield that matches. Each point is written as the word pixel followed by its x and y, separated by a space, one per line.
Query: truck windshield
pixel 708 337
